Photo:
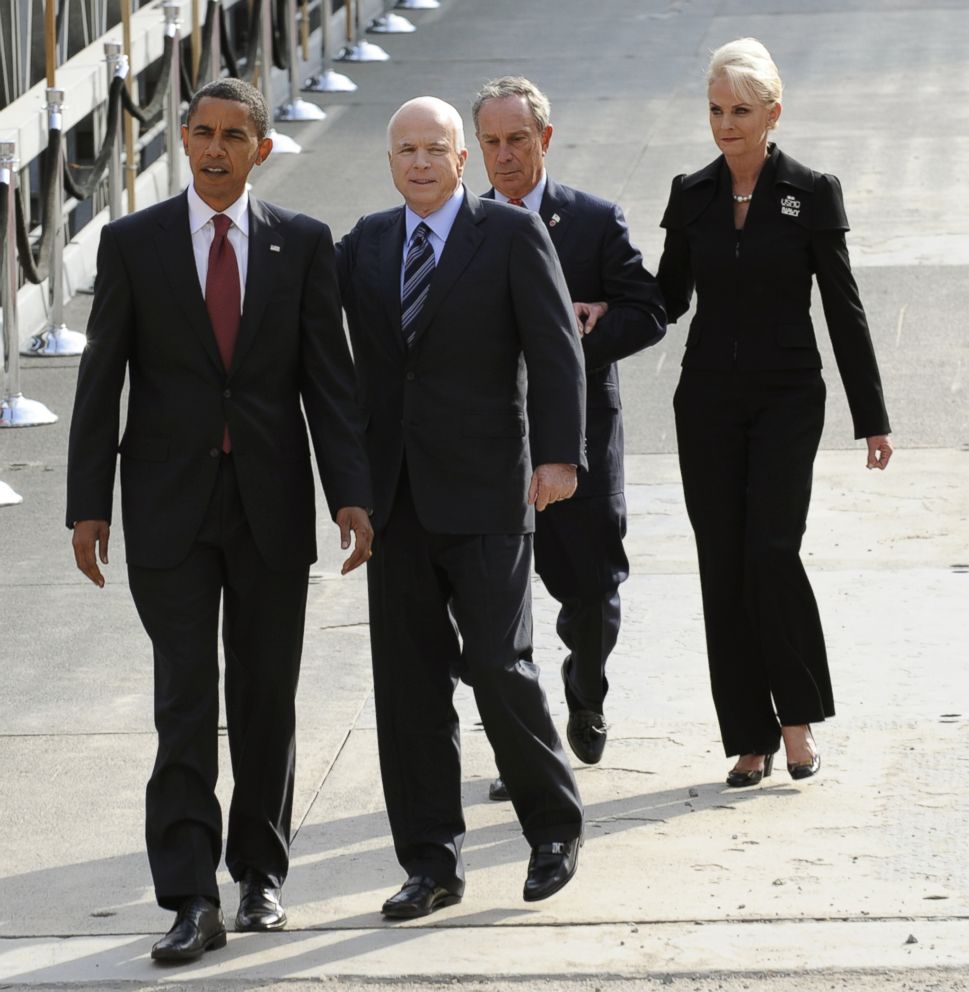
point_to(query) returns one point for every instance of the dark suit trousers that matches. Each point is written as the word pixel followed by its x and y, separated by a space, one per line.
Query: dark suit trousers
pixel 581 560
pixel 262 636
pixel 747 442
pixel 424 589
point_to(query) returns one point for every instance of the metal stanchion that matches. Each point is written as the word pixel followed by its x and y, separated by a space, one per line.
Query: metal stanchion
pixel 282 143
pixel 117 63
pixel 296 109
pixel 215 58
pixel 417 4
pixel 56 338
pixel 172 10
pixel 358 49
pixel 328 81
pixel 15 409
pixel 390 23
pixel 8 497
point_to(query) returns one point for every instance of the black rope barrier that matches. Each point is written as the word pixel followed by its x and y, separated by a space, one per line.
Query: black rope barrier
pixel 282 44
pixel 82 189
pixel 228 55
pixel 144 114
pixel 37 268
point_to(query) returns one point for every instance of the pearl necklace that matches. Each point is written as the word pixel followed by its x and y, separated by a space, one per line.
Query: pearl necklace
pixel 742 199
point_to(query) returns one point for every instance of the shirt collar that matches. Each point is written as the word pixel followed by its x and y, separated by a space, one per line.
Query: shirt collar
pixel 200 213
pixel 533 200
pixel 440 222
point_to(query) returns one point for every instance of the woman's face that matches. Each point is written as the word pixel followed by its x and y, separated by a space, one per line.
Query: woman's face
pixel 739 128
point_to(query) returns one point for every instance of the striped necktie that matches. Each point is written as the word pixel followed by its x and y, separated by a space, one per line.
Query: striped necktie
pixel 418 272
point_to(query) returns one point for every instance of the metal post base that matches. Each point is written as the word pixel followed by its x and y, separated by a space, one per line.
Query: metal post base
pixel 417 4
pixel 55 340
pixel 329 82
pixel 8 497
pixel 299 110
pixel 18 411
pixel 362 51
pixel 283 144
pixel 390 24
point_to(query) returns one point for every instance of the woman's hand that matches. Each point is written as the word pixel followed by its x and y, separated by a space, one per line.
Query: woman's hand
pixel 879 451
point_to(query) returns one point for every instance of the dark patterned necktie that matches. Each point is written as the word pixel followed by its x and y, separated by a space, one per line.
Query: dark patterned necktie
pixel 516 202
pixel 418 272
pixel 223 297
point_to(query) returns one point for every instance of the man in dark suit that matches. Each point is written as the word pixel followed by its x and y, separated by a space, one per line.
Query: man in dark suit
pixel 578 545
pixel 217 494
pixel 451 300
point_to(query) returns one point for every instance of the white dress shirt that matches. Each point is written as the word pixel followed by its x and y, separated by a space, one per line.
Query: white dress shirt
pixel 534 198
pixel 200 216
pixel 440 223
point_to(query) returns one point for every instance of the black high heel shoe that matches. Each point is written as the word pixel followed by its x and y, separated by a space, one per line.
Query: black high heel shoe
pixel 805 769
pixel 737 780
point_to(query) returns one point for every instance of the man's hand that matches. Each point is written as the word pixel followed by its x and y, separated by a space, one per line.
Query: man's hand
pixel 879 451
pixel 87 534
pixel 356 519
pixel 550 483
pixel 588 315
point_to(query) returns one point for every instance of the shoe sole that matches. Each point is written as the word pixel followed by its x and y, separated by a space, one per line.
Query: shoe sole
pixel 265 928
pixel 394 913
pixel 212 944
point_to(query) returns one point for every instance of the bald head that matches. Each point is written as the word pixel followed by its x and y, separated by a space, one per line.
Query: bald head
pixel 425 145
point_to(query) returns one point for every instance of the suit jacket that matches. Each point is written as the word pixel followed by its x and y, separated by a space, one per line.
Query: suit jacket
pixel 455 403
pixel 754 289
pixel 149 319
pixel 601 264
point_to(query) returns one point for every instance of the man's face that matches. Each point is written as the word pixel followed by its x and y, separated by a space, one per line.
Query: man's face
pixel 425 163
pixel 222 147
pixel 512 145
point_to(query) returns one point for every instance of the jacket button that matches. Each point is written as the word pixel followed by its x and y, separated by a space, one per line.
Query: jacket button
pixel 213 452
pixel 410 376
pixel 227 393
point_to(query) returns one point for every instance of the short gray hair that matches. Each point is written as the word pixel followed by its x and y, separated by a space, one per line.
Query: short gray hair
pixel 231 88
pixel 498 89
pixel 748 68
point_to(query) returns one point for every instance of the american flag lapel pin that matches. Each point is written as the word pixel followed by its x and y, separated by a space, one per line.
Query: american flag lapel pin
pixel 275 248
pixel 554 220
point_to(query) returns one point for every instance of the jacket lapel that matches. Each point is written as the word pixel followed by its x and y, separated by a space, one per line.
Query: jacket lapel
pixel 267 250
pixel 462 243
pixel 390 260
pixel 555 211
pixel 178 262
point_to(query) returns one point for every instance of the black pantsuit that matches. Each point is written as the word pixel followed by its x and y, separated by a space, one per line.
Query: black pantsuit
pixel 749 414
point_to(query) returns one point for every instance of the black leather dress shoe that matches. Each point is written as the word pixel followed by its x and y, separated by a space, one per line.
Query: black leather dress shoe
pixel 586 732
pixel 550 868
pixel 198 927
pixel 419 896
pixel 259 904
pixel 498 791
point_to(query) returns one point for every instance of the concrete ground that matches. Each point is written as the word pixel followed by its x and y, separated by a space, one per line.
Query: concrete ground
pixel 857 879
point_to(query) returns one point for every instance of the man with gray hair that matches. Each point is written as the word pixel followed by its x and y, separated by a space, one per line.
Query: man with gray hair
pixel 453 304
pixel 619 310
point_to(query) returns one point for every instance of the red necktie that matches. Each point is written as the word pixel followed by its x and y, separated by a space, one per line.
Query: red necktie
pixel 223 297
pixel 516 201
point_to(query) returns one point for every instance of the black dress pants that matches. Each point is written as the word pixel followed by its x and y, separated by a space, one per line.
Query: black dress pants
pixel 581 561
pixel 262 637
pixel 747 443
pixel 439 604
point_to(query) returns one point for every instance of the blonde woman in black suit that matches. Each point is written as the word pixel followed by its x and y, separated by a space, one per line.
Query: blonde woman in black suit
pixel 748 232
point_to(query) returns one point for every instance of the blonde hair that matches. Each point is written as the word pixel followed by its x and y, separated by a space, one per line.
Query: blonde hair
pixel 749 70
